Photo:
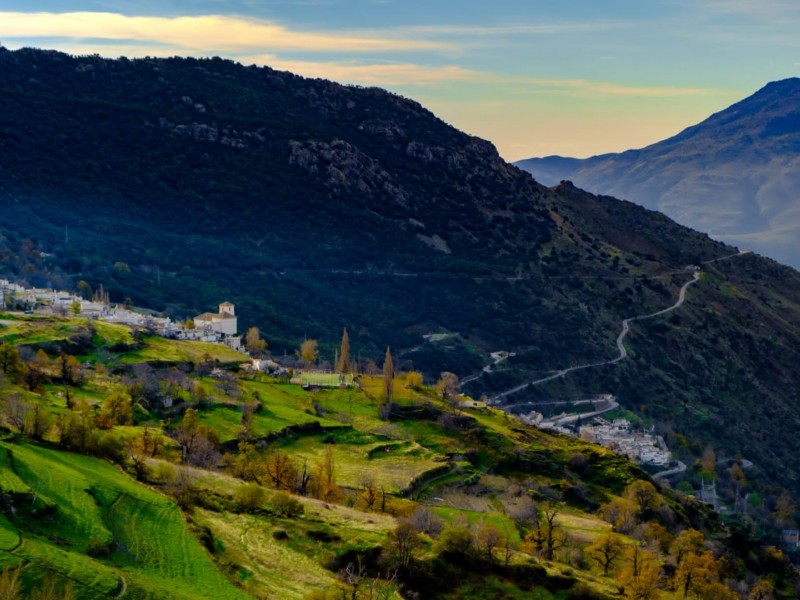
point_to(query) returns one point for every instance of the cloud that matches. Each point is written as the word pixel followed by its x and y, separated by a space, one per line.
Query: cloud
pixel 551 28
pixel 384 74
pixel 612 89
pixel 210 33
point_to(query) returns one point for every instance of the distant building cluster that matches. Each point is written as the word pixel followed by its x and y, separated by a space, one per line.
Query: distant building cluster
pixel 639 446
pixel 221 327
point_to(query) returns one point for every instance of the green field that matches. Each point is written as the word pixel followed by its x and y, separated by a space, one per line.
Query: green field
pixel 95 508
pixel 158 349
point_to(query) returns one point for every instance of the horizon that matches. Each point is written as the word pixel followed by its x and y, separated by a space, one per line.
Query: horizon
pixel 572 80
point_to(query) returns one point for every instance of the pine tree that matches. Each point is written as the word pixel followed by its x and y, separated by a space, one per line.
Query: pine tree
pixel 344 365
pixel 388 376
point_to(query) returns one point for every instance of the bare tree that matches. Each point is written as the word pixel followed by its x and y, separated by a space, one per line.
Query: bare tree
pixel 449 388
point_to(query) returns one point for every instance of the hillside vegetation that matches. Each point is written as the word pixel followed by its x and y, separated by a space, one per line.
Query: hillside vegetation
pixel 132 479
pixel 179 183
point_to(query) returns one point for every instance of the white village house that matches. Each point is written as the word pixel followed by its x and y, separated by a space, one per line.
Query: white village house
pixel 224 322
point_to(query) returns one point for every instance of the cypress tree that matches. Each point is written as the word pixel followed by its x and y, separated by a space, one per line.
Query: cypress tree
pixel 344 354
pixel 388 376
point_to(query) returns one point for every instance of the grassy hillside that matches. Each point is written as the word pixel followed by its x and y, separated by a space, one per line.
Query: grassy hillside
pixel 252 487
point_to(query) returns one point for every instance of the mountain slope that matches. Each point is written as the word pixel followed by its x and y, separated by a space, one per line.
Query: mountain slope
pixel 734 175
pixel 312 206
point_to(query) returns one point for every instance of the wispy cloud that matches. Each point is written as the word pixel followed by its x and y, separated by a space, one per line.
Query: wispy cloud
pixel 610 88
pixel 195 33
pixel 543 28
pixel 384 74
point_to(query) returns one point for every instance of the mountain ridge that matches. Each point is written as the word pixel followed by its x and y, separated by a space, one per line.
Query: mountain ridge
pixel 731 175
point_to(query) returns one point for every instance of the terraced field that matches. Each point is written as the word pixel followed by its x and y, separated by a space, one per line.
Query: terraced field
pixel 92 524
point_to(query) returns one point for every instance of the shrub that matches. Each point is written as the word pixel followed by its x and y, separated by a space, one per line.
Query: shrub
pixel 285 505
pixel 250 497
pixel 456 540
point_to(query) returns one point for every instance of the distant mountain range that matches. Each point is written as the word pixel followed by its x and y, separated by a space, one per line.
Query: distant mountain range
pixel 313 206
pixel 736 175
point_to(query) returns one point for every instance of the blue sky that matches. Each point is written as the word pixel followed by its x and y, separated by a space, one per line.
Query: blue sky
pixel 573 77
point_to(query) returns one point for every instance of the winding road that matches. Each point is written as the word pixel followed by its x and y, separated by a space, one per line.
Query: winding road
pixel 626 327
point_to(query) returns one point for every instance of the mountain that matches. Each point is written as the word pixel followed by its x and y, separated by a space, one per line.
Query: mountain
pixel 180 183
pixel 735 175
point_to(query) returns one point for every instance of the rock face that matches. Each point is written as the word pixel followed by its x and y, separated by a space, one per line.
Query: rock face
pixel 735 175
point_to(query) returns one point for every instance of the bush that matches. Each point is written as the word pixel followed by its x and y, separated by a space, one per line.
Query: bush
pixel 285 505
pixel 250 497
pixel 456 540
pixel 164 472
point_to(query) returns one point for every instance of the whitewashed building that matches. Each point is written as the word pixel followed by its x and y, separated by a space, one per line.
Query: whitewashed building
pixel 224 322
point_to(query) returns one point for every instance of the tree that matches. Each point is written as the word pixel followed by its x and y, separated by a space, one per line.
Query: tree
pixel 15 410
pixel 198 442
pixel 403 540
pixel 487 538
pixel 388 376
pixel 10 362
pixel 606 550
pixel 708 463
pixel 456 539
pixel 687 541
pixel 369 490
pixel 427 522
pixel 621 513
pixel 246 432
pixel 116 410
pixel 640 574
pixel 84 290
pixel 343 364
pixel 183 489
pixel 69 369
pixel 280 470
pixel 644 495
pixel 308 352
pixel 323 484
pixel 695 572
pixel 138 459
pixel 413 379
pixel 449 388
pixel 77 428
pixel 36 372
pixel 253 342
pixel 546 536
pixel 761 591
pixel 75 308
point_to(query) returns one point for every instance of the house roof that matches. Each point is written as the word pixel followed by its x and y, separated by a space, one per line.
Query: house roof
pixel 226 304
pixel 206 317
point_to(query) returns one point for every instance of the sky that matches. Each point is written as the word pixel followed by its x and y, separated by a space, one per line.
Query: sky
pixel 535 77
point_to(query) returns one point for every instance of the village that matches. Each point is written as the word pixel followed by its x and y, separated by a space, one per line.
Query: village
pixel 640 446
pixel 220 327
